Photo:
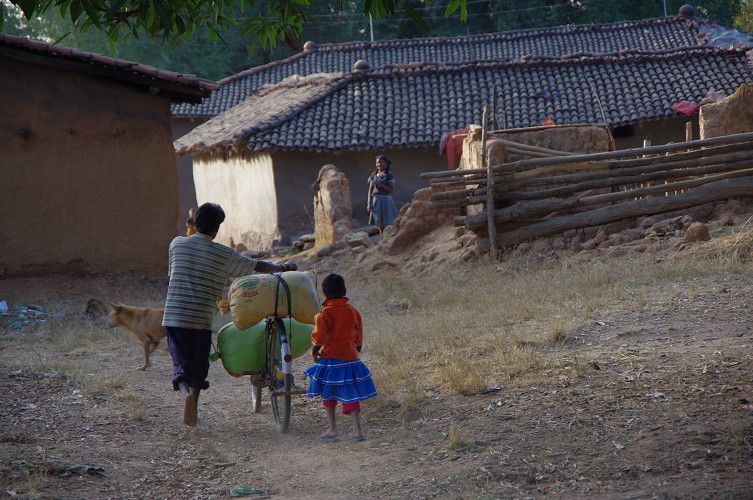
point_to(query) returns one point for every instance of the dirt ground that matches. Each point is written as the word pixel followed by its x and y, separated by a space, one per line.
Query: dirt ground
pixel 658 406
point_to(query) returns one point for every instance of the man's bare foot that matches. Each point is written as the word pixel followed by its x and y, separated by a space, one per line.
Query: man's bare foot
pixel 189 410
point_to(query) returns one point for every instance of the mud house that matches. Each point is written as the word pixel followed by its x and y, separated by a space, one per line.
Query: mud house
pixel 272 127
pixel 88 177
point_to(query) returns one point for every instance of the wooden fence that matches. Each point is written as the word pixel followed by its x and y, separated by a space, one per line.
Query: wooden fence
pixel 553 192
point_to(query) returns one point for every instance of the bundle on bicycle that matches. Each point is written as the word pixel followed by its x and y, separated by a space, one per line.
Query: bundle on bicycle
pixel 273 317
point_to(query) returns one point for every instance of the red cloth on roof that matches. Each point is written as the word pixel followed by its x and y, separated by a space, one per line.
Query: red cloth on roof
pixel 453 147
pixel 685 108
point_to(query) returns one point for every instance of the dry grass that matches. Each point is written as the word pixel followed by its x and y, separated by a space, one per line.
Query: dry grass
pixel 456 331
pixel 493 324
pixel 82 340
pixel 732 246
pixel 455 438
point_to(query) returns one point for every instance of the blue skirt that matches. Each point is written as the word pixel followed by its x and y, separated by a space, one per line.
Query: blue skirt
pixel 344 381
pixel 383 211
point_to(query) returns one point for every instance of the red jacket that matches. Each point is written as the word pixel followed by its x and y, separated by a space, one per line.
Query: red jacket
pixel 338 329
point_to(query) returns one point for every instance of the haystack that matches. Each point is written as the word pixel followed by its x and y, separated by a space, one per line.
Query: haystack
pixel 570 138
pixel 731 115
pixel 333 213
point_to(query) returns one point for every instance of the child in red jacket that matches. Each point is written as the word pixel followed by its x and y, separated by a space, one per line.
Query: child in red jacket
pixel 339 374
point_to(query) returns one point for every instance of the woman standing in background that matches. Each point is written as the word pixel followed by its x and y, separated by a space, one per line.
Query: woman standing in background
pixel 382 209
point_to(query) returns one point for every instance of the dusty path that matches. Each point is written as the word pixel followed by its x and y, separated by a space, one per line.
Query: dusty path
pixel 654 407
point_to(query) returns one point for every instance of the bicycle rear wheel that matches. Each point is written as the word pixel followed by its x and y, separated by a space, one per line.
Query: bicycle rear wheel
pixel 281 405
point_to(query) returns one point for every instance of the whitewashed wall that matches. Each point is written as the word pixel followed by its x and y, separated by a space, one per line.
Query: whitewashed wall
pixel 243 184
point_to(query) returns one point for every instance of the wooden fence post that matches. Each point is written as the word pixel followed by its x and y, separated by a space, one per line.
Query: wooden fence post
pixel 491 225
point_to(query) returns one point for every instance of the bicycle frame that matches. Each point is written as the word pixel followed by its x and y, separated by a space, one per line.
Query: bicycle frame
pixel 285 354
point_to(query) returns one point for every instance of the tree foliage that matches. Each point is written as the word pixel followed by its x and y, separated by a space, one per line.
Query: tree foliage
pixel 264 22
pixel 744 19
pixel 220 38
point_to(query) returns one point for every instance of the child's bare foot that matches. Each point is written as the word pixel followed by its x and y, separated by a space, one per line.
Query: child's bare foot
pixel 358 438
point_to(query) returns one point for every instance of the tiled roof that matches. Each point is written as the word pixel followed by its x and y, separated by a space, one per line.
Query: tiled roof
pixel 645 35
pixel 272 105
pixel 180 87
pixel 413 105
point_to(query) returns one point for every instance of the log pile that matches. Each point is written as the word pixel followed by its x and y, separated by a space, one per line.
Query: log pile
pixel 547 194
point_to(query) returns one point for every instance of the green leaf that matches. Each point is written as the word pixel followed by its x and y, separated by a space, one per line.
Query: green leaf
pixel 164 16
pixel 224 22
pixel 416 17
pixel 453 6
pixel 143 11
pixel 115 7
pixel 379 9
pixel 111 46
pixel 27 7
pixel 212 32
pixel 64 6
pixel 222 38
pixel 75 10
pixel 91 13
pixel 60 38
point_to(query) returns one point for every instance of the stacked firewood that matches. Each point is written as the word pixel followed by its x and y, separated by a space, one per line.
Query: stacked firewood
pixel 549 193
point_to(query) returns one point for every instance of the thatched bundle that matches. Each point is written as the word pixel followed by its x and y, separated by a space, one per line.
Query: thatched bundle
pixel 731 115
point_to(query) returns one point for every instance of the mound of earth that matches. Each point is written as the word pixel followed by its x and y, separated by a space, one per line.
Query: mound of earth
pixel 421 241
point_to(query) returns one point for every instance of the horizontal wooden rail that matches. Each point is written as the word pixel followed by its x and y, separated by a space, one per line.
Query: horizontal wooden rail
pixel 598 157
pixel 540 208
pixel 720 190
pixel 597 180
pixel 546 195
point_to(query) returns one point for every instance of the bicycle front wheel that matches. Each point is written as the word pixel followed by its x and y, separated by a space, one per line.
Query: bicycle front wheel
pixel 281 405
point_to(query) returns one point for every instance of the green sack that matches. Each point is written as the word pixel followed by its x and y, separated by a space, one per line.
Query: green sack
pixel 244 351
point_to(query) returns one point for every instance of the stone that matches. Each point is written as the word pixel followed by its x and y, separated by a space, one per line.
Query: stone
pixel 617 251
pixel 541 246
pixel 726 220
pixel 521 249
pixel 305 238
pixel 631 235
pixel 615 239
pixel 647 222
pixel 360 239
pixel 330 249
pixel 342 253
pixel 697 231
pixel 468 239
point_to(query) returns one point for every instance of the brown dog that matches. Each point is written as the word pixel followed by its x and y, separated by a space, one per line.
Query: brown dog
pixel 144 322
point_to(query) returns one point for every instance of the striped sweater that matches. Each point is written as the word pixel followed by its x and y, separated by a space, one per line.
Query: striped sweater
pixel 198 270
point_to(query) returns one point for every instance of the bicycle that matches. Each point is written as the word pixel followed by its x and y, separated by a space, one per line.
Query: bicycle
pixel 277 375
